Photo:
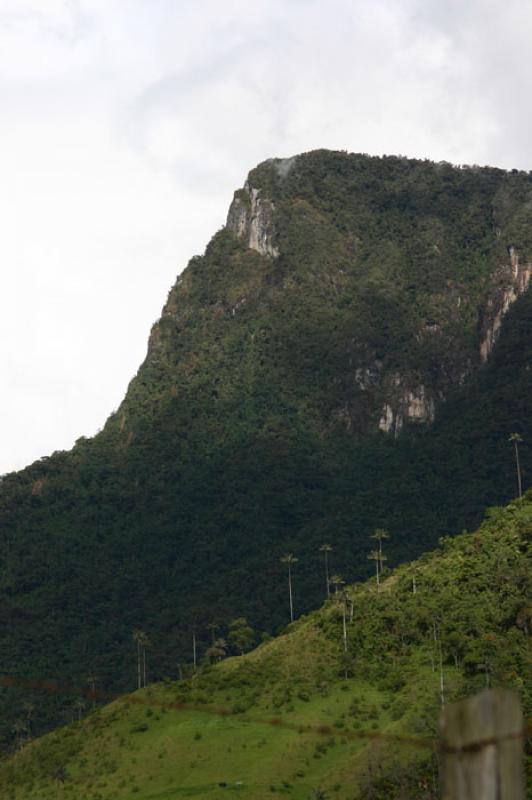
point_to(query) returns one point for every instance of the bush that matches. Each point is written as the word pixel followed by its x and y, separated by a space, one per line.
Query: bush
pixel 141 728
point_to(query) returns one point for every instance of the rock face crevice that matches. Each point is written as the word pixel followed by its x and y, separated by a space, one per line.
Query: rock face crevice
pixel 513 286
pixel 250 218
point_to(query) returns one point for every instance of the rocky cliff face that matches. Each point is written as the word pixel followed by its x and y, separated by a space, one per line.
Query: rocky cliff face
pixel 404 404
pixel 509 283
pixel 250 218
pixel 403 394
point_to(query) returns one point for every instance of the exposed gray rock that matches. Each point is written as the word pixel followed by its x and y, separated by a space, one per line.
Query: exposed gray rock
pixel 413 405
pixel 498 305
pixel 250 218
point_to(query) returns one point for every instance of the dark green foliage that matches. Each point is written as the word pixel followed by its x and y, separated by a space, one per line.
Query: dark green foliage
pixel 246 433
pixel 241 635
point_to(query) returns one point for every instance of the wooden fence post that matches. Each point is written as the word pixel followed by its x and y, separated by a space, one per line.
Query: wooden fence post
pixel 482 748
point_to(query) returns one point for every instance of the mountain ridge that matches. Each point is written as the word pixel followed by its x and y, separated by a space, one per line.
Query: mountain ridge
pixel 252 428
pixel 253 218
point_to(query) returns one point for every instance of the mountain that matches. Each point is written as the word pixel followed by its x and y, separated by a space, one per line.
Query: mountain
pixel 352 351
pixel 298 717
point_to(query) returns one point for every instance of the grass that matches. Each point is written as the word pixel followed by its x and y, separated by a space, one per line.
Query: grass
pixel 151 751
pixel 191 754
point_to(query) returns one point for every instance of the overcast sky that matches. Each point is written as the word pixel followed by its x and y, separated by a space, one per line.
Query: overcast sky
pixel 126 125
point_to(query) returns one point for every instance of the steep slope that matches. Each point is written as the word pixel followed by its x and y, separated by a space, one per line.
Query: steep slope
pixel 287 399
pixel 297 715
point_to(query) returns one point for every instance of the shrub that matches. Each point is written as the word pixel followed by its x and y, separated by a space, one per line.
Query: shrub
pixel 143 726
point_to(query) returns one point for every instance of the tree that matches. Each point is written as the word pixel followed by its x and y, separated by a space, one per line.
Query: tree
pixel 326 549
pixel 379 534
pixel 137 638
pixel 289 559
pixel 20 730
pixel 79 705
pixel 337 581
pixel 29 709
pixel 516 438
pixel 436 631
pixel 213 627
pixel 374 556
pixel 241 635
pixel 142 643
pixel 145 644
pixel 344 620
pixel 216 651
pixel 91 680
pixel 350 599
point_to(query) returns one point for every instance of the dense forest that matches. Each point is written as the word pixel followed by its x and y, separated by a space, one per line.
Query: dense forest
pixel 265 421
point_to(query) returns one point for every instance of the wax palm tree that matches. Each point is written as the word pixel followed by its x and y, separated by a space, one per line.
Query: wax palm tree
pixel 289 559
pixel 91 680
pixel 516 438
pixel 436 632
pixel 145 643
pixel 375 556
pixel 345 600
pixel 20 729
pixel 337 581
pixel 29 709
pixel 138 637
pixel 79 705
pixel 326 549
pixel 213 627
pixel 379 534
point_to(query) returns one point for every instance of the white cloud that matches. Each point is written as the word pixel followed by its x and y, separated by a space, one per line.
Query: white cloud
pixel 126 125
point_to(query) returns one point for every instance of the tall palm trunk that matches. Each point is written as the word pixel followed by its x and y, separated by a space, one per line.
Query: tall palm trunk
pixel 290 593
pixel 289 559
pixel 439 652
pixel 344 630
pixel 344 622
pixel 144 664
pixel 518 465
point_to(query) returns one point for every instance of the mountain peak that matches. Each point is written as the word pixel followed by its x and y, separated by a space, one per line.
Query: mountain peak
pixel 317 373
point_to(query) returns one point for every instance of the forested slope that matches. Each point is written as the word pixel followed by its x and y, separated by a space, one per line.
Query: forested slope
pixel 301 717
pixel 352 351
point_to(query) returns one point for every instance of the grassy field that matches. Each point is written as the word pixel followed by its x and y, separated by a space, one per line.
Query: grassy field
pixel 155 752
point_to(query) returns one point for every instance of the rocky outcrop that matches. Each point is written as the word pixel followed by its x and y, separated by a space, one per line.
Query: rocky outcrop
pixel 498 305
pixel 413 405
pixel 250 218
pixel 405 402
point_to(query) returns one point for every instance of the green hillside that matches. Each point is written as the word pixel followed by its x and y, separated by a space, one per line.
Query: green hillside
pixel 299 717
pixel 328 366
